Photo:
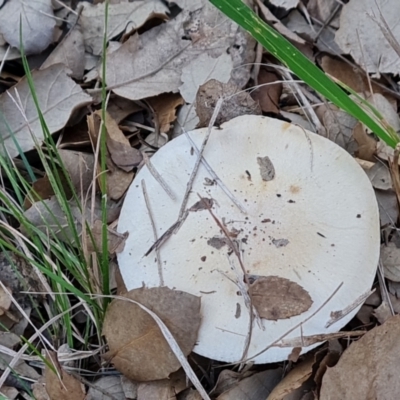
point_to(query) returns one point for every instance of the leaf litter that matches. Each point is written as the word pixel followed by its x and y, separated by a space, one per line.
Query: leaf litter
pixel 178 59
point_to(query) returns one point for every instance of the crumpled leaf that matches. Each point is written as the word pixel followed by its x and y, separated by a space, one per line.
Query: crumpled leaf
pixel 61 385
pixel 236 102
pixel 368 368
pixel 37 21
pixel 70 52
pixel 137 348
pixel 122 17
pixel 255 387
pixel 58 97
pixel 165 106
pixel 363 38
pixel 154 60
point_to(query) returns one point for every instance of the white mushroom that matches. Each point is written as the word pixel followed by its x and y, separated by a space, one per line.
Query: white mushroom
pixel 311 223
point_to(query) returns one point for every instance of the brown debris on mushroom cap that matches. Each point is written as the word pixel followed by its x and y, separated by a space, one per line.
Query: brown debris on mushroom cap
pixel 278 298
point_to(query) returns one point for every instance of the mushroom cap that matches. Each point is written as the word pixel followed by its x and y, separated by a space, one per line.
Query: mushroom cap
pixel 313 226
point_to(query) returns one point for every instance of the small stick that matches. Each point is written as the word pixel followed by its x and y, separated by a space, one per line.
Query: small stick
pixel 167 234
pixel 153 225
pixel 199 157
pixel 215 176
pixel 158 177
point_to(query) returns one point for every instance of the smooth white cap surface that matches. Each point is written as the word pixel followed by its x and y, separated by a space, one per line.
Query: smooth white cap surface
pixel 315 223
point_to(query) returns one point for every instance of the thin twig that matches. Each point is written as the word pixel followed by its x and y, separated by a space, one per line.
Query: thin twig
pixel 158 177
pixel 153 225
pixel 216 178
pixel 234 248
pixel 199 157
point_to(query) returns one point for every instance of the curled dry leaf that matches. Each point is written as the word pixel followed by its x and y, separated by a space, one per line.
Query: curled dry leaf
pixel 119 151
pixel 368 368
pixel 137 347
pixel 58 96
pixel 278 298
pixel 122 17
pixel 165 106
pixel 60 385
pixel 37 21
pixel 237 102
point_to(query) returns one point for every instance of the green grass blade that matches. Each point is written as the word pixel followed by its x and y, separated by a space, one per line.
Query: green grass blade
pixel 300 65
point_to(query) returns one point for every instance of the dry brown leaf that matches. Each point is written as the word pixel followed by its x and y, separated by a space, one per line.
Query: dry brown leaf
pixel 235 104
pixel 339 126
pixel 165 389
pixel 105 387
pixel 165 106
pixel 364 314
pixel 269 93
pixel 379 175
pixel 322 10
pixel 118 180
pixel 48 216
pixel 345 73
pixel 363 38
pixel 70 52
pixel 368 368
pixel 37 24
pixel 190 394
pixel 202 69
pixel 137 347
pixel 80 169
pixel 153 62
pixel 5 299
pixel 119 108
pixel 277 24
pixel 383 312
pixel 390 257
pixel 160 390
pixel 388 207
pixel 122 17
pixel 9 392
pixel 61 385
pixel 116 241
pixel 255 387
pixel 227 379
pixel 41 190
pixel 39 389
pixel 366 143
pixel 286 4
pixel 58 96
pixel 293 380
pixel 278 298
